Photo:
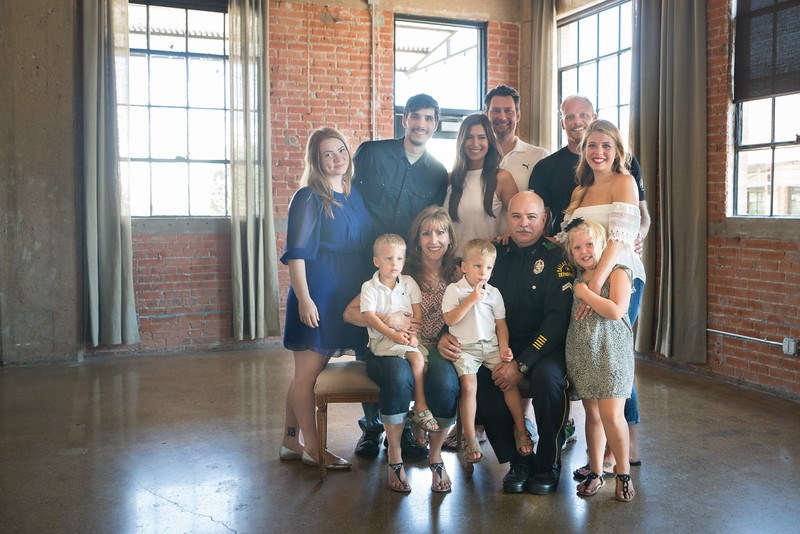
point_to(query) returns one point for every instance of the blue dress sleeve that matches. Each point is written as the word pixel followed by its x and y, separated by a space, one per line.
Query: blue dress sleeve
pixel 303 226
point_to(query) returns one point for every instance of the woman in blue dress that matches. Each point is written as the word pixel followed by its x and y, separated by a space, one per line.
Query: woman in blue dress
pixel 328 251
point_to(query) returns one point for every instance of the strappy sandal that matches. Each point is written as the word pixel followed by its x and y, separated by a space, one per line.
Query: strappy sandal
pixel 397 469
pixel 437 469
pixel 582 472
pixel 469 447
pixel 586 489
pixel 522 438
pixel 425 420
pixel 625 493
pixel 420 436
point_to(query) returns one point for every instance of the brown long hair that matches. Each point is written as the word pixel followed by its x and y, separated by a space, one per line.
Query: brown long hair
pixel 491 166
pixel 314 177
pixel 584 175
pixel 431 217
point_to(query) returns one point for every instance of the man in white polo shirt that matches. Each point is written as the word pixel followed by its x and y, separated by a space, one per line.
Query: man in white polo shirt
pixel 501 105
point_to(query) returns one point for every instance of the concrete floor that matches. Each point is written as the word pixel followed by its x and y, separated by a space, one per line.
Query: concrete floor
pixel 189 443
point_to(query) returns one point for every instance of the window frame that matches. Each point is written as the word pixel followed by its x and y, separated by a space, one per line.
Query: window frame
pixel 213 6
pixel 450 119
pixel 597 59
pixel 739 147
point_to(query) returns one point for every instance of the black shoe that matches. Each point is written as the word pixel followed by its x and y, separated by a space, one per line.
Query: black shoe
pixel 410 450
pixel 368 443
pixel 517 476
pixel 544 482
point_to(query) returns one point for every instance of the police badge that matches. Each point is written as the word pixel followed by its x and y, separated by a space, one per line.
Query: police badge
pixel 538 267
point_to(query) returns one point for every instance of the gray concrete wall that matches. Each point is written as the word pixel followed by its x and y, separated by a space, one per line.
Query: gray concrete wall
pixel 40 312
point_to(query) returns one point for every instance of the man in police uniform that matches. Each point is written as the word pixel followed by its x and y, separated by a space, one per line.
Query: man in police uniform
pixel 535 280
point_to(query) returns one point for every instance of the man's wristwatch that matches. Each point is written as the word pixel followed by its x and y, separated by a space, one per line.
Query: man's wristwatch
pixel 522 366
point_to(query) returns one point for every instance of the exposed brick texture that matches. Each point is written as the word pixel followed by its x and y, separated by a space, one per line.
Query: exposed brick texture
pixel 752 283
pixel 183 290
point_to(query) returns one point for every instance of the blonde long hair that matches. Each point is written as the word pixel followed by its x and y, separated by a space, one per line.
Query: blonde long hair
pixel 314 177
pixel 584 176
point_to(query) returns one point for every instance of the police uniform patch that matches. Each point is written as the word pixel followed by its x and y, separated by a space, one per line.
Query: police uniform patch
pixel 566 286
pixel 564 269
pixel 538 267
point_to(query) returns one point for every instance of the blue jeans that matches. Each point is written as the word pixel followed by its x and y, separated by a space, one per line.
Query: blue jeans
pixel 372 417
pixel 393 375
pixel 632 404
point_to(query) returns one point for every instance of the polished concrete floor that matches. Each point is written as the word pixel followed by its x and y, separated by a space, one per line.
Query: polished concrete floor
pixel 189 442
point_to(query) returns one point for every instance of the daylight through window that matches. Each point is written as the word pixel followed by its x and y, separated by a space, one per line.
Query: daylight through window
pixel 178 112
pixel 594 60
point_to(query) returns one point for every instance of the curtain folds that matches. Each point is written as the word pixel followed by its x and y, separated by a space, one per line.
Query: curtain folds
pixel 668 136
pixel 253 254
pixel 542 98
pixel 109 304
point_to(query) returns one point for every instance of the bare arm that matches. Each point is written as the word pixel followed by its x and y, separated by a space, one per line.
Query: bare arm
pixel 644 227
pixel 374 321
pixel 352 313
pixel 448 347
pixel 417 315
pixel 616 306
pixel 309 315
pixel 624 191
pixel 455 315
pixel 506 187
pixel 399 320
pixel 501 328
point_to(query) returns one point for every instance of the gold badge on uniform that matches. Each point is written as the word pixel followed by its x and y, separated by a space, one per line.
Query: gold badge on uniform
pixel 538 267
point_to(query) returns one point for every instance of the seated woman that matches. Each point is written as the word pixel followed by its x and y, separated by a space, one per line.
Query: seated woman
pixel 328 240
pixel 431 262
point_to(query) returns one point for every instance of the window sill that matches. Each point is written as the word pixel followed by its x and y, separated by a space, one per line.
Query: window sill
pixel 774 228
pixel 180 225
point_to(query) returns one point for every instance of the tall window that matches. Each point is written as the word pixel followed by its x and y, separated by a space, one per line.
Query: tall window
pixel 447 60
pixel 594 59
pixel 768 156
pixel 179 111
pixel 767 92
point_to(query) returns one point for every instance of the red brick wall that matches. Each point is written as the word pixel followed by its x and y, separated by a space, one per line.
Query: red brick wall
pixel 502 50
pixel 183 290
pixel 319 76
pixel 752 283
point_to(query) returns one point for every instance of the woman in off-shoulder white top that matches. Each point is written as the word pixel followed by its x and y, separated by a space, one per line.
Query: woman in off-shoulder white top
pixel 608 194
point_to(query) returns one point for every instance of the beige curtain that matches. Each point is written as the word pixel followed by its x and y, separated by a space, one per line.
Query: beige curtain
pixel 542 98
pixel 668 135
pixel 254 257
pixel 109 305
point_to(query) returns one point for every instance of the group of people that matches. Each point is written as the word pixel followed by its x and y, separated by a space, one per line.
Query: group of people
pixel 482 294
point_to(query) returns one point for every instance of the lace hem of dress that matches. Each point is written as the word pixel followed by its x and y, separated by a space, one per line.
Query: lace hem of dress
pixel 623 222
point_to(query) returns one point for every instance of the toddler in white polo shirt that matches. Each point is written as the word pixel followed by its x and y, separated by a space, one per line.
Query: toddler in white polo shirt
pixel 389 291
pixel 476 315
